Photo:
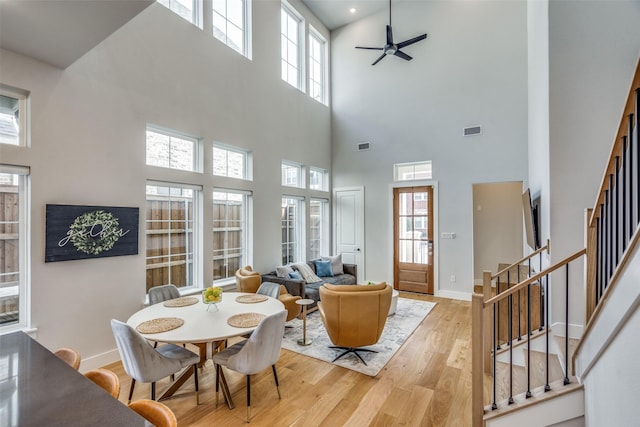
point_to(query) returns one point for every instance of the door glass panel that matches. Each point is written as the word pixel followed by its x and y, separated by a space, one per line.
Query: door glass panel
pixel 406 250
pixel 406 206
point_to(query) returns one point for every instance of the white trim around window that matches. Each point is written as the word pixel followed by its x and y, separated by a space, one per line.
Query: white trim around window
pixel 318 66
pixel 14 181
pixel 14 110
pixel 292 46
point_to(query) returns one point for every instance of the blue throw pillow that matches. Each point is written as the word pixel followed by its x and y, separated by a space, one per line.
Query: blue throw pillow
pixel 295 275
pixel 323 268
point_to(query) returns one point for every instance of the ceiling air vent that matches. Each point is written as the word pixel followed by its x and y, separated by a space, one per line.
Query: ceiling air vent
pixel 471 131
pixel 363 146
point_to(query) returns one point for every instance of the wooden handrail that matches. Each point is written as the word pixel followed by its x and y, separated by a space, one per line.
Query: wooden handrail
pixel 534 278
pixel 531 255
pixel 616 149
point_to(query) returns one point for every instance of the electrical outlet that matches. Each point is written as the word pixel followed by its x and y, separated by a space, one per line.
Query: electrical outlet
pixel 453 278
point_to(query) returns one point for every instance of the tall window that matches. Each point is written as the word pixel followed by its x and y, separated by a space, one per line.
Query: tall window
pixel 172 236
pixel 231 162
pixel 292 229
pixel 171 150
pixel 292 174
pixel 412 171
pixel 230 20
pixel 14 247
pixel 290 30
pixel 318 179
pixel 230 232
pixel 317 66
pixel 318 228
pixel 13 117
pixel 188 9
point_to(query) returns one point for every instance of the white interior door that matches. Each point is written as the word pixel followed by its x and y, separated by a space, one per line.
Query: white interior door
pixel 348 209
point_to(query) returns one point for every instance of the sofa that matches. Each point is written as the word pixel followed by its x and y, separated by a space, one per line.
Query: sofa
pixel 310 290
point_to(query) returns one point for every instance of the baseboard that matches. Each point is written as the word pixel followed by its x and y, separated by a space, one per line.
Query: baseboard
pixel 465 296
pixel 99 360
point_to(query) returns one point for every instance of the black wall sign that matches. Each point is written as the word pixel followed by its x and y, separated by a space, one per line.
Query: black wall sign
pixel 81 232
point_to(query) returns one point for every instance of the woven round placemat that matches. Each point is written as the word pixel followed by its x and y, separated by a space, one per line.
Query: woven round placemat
pixel 161 324
pixel 251 299
pixel 245 320
pixel 181 302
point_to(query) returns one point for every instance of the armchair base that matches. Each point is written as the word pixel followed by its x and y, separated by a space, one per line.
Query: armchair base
pixel 353 350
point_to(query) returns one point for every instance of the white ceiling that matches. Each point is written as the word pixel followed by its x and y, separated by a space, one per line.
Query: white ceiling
pixel 335 13
pixel 59 32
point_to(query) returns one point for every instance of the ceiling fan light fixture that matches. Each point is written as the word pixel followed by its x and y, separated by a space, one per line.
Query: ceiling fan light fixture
pixel 391 48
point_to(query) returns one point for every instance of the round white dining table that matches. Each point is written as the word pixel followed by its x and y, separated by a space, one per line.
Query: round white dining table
pixel 203 325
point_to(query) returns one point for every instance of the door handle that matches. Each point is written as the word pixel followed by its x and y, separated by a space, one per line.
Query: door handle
pixel 358 250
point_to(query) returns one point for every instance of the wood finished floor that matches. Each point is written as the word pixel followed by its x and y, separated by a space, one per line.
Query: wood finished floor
pixel 426 383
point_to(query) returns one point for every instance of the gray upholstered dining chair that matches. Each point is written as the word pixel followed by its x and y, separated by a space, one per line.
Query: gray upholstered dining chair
pixel 258 352
pixel 269 289
pixel 146 364
pixel 163 293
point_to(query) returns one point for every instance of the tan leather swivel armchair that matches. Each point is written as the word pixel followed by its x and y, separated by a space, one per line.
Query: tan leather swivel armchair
pixel 354 316
pixel 248 280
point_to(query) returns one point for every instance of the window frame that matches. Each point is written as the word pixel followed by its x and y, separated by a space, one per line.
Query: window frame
pixel 24 116
pixel 322 63
pixel 247 240
pixel 24 251
pixel 247 172
pixel 293 14
pixel 299 229
pixel 324 186
pixel 398 166
pixel 246 30
pixel 323 235
pixel 196 13
pixel 290 165
pixel 196 162
pixel 196 233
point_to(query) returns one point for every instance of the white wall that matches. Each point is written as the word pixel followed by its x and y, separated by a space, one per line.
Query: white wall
pixel 471 70
pixel 88 147
pixel 607 363
pixel 497 226
pixel 593 51
pixel 538 94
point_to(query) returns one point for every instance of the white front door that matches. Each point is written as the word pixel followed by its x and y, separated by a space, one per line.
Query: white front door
pixel 348 209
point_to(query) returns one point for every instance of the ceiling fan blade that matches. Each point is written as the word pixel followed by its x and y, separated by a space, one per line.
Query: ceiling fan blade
pixel 389 35
pixel 379 59
pixel 402 55
pixel 372 48
pixel 411 41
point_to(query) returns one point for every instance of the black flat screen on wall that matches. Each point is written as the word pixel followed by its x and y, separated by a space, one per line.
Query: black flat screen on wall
pixel 82 232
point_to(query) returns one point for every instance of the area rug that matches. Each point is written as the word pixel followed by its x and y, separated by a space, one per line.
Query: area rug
pixel 397 329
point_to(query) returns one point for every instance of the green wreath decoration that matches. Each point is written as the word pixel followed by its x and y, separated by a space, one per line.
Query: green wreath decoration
pixel 92 233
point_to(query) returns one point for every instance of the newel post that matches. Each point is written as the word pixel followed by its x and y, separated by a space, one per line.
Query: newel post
pixel 488 321
pixel 477 354
pixel 590 242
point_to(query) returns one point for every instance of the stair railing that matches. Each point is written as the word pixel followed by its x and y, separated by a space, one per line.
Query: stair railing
pixel 487 282
pixel 485 308
pixel 613 224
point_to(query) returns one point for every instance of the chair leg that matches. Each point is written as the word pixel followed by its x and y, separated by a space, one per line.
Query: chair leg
pixel 195 378
pixel 248 398
pixel 133 384
pixel 217 369
pixel 153 390
pixel 275 376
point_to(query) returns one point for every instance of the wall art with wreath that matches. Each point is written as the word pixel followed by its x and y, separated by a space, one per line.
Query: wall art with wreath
pixel 82 232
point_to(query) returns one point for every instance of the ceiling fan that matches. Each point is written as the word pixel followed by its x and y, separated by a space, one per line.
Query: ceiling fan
pixel 390 48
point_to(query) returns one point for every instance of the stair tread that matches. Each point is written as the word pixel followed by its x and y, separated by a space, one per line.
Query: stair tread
pixel 539 395
pixel 538 368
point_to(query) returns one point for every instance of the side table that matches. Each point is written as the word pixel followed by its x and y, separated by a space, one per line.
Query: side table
pixel 304 303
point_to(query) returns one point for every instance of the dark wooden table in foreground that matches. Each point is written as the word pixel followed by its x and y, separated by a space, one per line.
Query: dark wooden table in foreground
pixel 39 389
